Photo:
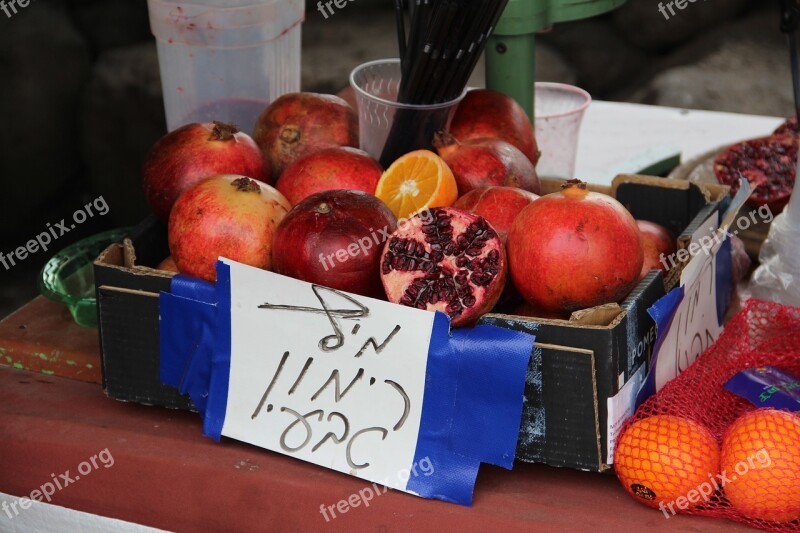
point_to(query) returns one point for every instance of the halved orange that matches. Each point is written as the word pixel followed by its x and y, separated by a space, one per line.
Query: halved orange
pixel 418 180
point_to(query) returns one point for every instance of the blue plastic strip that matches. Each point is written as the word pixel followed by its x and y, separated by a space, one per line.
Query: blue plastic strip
pixel 472 408
pixel 724 273
pixel 188 322
pixel 663 312
pixel 195 342
pixel 221 360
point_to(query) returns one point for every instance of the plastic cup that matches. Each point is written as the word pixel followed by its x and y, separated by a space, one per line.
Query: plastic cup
pixel 559 110
pixel 389 129
pixel 225 59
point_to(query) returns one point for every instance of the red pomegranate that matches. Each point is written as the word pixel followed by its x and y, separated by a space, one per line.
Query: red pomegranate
pixel 329 169
pixel 334 238
pixel 527 310
pixel 445 260
pixel 193 153
pixel 789 127
pixel 478 163
pixel 658 243
pixel 299 124
pixel 486 113
pixel 228 216
pixel 498 205
pixel 168 265
pixel 574 249
pixel 769 164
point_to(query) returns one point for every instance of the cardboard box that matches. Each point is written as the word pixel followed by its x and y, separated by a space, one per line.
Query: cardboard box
pixel 127 291
pixel 576 367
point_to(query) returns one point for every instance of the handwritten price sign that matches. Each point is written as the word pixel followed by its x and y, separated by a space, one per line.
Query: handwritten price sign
pixel 324 376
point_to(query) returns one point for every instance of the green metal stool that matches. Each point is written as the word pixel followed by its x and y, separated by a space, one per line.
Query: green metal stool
pixel 510 53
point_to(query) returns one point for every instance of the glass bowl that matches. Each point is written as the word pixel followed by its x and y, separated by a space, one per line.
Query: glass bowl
pixel 68 277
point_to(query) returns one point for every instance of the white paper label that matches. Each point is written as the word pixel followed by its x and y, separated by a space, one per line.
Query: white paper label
pixel 620 408
pixel 328 377
pixel 695 325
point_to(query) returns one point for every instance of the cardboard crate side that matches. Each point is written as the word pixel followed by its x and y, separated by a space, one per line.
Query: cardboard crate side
pixel 130 337
pixel 570 394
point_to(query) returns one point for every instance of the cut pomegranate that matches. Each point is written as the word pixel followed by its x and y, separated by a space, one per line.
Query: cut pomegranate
pixel 788 128
pixel 769 164
pixel 445 260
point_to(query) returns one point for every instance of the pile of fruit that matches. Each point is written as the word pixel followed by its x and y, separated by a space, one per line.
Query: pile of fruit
pixel 457 231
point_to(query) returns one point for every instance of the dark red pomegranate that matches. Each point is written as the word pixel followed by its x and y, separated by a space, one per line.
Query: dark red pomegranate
pixel 299 124
pixel 658 243
pixel 769 164
pixel 478 163
pixel 334 238
pixel 498 205
pixel 486 113
pixel 574 249
pixel 194 152
pixel 789 127
pixel 445 260
pixel 329 169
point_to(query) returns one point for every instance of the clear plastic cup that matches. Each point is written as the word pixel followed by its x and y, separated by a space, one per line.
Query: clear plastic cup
pixel 225 59
pixel 381 118
pixel 559 110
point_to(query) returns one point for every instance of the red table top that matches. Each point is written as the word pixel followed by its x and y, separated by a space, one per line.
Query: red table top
pixel 166 474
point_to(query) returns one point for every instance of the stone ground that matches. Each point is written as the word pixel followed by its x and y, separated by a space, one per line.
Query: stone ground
pixel 80 102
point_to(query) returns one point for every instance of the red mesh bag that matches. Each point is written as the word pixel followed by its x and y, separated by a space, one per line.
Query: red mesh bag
pixel 671 446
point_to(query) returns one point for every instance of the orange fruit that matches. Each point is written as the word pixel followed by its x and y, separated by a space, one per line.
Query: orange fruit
pixel 761 458
pixel 667 462
pixel 418 180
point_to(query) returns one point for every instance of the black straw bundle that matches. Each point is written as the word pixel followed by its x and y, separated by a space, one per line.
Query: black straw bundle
pixel 445 41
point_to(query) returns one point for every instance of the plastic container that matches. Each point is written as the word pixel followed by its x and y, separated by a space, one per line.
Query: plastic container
pixel 412 127
pixel 558 118
pixel 68 277
pixel 226 60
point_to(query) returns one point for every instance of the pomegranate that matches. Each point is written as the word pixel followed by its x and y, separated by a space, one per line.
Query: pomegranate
pixel 574 249
pixel 168 265
pixel 788 128
pixel 194 152
pixel 229 216
pixel 299 124
pixel 769 164
pixel 485 162
pixel 657 242
pixel 498 205
pixel 448 260
pixel 334 238
pixel 486 113
pixel 527 310
pixel 332 168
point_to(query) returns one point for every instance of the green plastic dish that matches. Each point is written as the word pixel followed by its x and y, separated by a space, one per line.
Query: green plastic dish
pixel 68 277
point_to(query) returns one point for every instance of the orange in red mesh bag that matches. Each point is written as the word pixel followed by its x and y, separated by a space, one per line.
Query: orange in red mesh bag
pixel 757 481
pixel 668 462
pixel 761 459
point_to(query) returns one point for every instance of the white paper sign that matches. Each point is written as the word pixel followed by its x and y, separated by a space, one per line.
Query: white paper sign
pixel 620 408
pixel 328 377
pixel 695 325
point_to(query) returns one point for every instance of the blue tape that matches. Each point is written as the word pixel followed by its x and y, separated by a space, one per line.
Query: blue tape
pixel 221 359
pixel 195 343
pixel 663 312
pixel 472 409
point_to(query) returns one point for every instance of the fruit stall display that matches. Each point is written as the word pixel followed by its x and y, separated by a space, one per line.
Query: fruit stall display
pixel 469 230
